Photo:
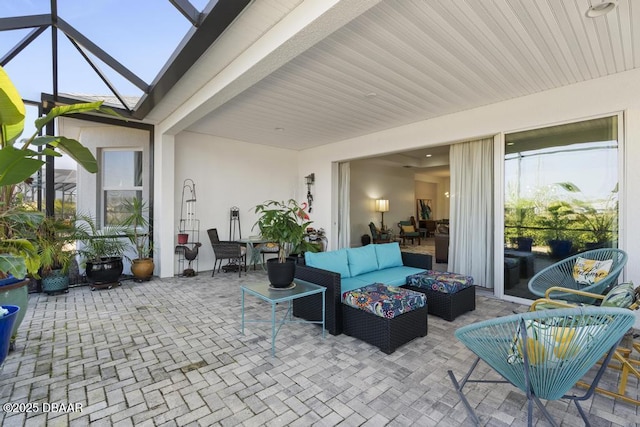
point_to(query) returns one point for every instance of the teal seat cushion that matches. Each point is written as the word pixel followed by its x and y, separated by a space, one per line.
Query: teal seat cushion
pixel 350 283
pixel 394 276
pixel 388 255
pixel 362 260
pixel 335 261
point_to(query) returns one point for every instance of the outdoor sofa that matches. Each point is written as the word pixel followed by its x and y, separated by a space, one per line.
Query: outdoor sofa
pixel 348 269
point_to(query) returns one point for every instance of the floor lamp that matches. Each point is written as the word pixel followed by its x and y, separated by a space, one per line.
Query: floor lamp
pixel 382 206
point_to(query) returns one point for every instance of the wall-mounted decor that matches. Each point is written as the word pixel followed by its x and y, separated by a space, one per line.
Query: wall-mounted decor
pixel 424 209
pixel 310 180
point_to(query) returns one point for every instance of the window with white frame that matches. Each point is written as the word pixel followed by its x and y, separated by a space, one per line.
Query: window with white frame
pixel 121 180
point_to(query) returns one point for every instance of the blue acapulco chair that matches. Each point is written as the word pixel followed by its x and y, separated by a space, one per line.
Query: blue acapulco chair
pixel 562 345
pixel 561 274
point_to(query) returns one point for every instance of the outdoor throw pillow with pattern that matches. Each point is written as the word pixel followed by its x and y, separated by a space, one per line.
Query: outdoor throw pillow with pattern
pixel 621 296
pixel 550 343
pixel 590 271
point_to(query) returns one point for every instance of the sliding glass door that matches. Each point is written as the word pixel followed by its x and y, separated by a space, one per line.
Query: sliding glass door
pixel 561 196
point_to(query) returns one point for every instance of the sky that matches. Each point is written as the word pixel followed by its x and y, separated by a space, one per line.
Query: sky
pixel 542 171
pixel 140 34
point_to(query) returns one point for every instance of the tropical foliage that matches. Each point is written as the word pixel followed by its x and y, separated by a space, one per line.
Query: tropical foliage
pixel 99 243
pixel 569 215
pixel 137 225
pixel 19 160
pixel 286 224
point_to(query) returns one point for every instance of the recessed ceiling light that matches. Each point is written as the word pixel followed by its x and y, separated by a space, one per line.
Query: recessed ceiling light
pixel 600 9
pixel 509 143
pixel 428 155
pixel 371 95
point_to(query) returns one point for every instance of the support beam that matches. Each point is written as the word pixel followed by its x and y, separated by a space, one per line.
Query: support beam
pixel 33 34
pixel 164 232
pixel 189 11
pixel 20 22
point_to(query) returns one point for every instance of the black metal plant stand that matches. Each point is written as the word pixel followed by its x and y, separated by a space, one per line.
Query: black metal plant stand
pixel 189 225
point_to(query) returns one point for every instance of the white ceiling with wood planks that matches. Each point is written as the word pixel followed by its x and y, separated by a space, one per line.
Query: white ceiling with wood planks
pixel 403 61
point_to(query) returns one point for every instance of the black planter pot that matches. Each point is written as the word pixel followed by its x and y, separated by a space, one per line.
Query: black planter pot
pixel 281 274
pixel 560 249
pixel 105 271
pixel 524 244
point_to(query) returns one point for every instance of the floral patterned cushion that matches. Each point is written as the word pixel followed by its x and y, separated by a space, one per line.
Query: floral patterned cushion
pixel 441 281
pixel 384 301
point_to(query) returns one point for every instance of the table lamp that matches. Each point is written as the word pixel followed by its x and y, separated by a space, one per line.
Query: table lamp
pixel 382 206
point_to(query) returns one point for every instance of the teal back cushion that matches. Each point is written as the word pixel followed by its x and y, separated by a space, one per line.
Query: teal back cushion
pixel 388 255
pixel 362 260
pixel 335 261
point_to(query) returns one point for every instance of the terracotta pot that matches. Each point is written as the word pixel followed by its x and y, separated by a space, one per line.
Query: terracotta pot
pixel 142 268
pixel 183 238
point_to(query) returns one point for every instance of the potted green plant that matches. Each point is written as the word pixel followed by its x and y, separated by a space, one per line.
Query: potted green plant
pixel 558 216
pixel 284 223
pixel 102 251
pixel 137 224
pixel 55 240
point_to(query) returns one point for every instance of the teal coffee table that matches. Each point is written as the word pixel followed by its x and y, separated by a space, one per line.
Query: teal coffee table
pixel 275 296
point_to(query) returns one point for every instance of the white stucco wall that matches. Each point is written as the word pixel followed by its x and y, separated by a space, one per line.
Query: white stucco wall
pixel 230 173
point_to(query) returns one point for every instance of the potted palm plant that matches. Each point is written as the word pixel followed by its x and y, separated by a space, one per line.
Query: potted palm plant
pixel 284 223
pixel 54 239
pixel 102 251
pixel 137 224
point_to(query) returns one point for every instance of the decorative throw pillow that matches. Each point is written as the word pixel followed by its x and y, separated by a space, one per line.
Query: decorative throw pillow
pixel 590 271
pixel 621 296
pixel 551 343
pixel 408 228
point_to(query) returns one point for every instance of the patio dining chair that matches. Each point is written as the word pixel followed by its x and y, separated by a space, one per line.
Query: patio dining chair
pixel 590 271
pixel 544 353
pixel 234 252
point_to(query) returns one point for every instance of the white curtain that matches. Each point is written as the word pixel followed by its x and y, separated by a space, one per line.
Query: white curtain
pixel 471 210
pixel 344 205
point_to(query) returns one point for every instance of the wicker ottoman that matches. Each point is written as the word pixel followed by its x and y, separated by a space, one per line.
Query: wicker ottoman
pixel 448 294
pixel 384 316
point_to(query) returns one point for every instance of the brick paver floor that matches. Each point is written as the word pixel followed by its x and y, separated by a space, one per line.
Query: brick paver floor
pixel 169 352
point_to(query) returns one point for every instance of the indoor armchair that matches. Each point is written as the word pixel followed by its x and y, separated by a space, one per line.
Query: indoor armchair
pixel 378 236
pixel 408 231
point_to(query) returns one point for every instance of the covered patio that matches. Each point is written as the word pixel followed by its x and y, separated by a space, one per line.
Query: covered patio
pixel 170 352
